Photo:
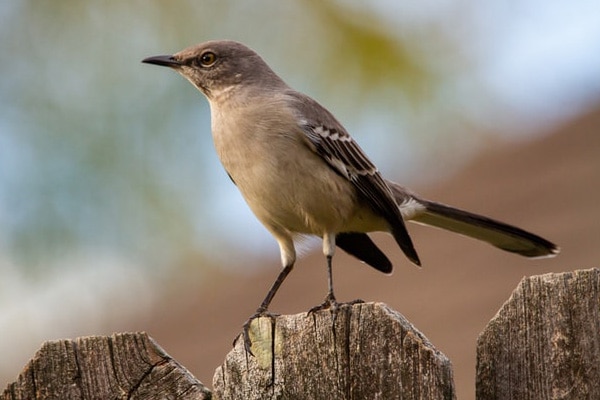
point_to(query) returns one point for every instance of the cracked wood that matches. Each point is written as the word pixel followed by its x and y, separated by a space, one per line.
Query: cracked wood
pixel 121 366
pixel 368 351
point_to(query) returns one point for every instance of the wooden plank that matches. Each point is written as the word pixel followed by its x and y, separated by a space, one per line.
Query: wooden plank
pixel 544 343
pixel 368 352
pixel 121 366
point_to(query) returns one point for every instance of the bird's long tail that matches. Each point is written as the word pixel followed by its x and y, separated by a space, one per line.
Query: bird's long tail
pixel 496 233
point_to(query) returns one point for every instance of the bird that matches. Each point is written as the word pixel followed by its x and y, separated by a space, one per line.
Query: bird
pixel 301 173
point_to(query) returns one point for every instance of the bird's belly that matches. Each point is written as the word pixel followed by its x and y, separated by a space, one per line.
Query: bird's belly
pixel 301 196
pixel 296 199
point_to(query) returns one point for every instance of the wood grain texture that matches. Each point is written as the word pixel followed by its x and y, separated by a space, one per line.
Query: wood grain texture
pixel 122 366
pixel 544 343
pixel 368 352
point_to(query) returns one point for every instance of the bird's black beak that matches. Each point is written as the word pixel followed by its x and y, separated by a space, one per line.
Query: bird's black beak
pixel 165 61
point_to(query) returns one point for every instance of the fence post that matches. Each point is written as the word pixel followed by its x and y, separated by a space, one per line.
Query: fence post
pixel 544 343
pixel 121 366
pixel 368 352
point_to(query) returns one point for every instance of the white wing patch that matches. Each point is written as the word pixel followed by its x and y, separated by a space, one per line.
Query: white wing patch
pixel 340 151
pixel 332 134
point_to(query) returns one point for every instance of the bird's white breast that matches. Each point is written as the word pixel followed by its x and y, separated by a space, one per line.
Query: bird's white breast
pixel 284 182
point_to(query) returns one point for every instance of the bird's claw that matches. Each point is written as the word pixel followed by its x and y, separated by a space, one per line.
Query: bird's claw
pixel 332 304
pixel 329 303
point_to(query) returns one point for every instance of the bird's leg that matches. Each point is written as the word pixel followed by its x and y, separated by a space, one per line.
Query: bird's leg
pixel 330 300
pixel 262 311
pixel 329 250
pixel 288 258
pixel 330 296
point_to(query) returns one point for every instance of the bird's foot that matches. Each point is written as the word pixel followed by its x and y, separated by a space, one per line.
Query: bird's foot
pixel 329 303
pixel 246 327
pixel 332 304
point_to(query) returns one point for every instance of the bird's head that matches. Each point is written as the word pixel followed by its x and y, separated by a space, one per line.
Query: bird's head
pixel 218 66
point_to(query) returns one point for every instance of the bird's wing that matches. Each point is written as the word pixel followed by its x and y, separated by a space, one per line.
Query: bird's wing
pixel 328 138
pixel 343 154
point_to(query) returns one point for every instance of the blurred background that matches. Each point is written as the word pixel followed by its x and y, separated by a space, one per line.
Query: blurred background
pixel 116 215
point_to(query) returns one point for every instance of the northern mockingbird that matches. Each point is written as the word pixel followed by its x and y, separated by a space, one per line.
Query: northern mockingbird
pixel 301 173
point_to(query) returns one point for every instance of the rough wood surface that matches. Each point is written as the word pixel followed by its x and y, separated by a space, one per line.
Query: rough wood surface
pixel 122 366
pixel 544 343
pixel 368 352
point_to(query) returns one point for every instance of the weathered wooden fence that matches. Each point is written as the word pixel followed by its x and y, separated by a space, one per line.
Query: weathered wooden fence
pixel 544 343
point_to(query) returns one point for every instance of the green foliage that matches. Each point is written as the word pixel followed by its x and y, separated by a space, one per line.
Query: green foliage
pixel 361 46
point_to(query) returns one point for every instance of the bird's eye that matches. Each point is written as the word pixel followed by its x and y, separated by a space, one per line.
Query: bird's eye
pixel 207 59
